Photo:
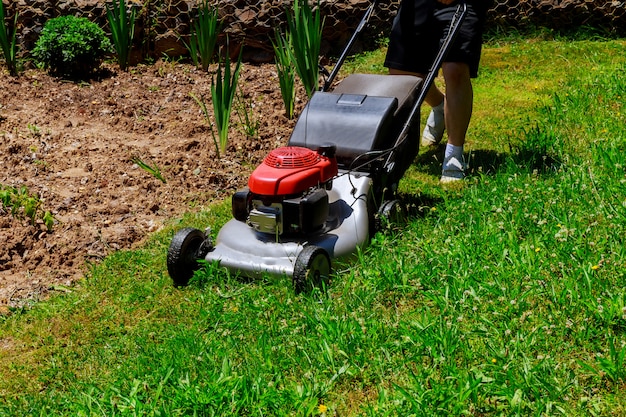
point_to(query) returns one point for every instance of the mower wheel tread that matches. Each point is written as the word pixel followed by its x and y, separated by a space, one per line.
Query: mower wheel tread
pixel 187 248
pixel 312 269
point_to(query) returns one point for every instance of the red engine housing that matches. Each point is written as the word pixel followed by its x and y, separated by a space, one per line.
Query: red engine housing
pixel 292 170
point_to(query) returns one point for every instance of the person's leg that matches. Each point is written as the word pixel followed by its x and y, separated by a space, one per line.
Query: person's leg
pixel 459 101
pixel 458 112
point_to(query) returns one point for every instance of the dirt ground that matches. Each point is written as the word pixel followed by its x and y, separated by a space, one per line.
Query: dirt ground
pixel 73 146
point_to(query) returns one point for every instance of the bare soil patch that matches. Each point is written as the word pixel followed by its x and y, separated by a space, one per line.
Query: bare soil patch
pixel 73 145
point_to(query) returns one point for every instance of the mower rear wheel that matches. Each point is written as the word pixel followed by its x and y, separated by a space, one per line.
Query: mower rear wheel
pixel 311 270
pixel 390 213
pixel 187 248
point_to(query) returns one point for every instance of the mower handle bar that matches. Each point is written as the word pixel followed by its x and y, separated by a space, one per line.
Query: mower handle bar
pixel 344 54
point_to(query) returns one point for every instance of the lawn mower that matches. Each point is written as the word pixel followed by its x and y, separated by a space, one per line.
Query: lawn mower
pixel 322 196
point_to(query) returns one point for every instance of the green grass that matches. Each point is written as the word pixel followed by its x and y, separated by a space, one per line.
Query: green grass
pixel 505 296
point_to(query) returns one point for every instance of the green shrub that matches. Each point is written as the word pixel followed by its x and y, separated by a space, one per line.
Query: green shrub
pixel 71 46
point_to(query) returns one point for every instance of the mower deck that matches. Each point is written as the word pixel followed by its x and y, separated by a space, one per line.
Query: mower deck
pixel 243 250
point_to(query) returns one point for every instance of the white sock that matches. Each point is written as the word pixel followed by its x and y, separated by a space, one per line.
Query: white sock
pixel 453 151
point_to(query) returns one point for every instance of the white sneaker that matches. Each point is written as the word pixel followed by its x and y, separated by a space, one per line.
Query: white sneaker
pixel 435 126
pixel 453 170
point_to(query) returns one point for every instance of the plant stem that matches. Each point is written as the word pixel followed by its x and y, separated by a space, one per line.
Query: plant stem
pixel 203 38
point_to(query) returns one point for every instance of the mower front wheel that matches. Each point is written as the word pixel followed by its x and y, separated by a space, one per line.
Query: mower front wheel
pixel 188 246
pixel 311 270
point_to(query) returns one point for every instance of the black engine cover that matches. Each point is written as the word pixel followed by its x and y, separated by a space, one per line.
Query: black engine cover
pixel 297 215
pixel 306 214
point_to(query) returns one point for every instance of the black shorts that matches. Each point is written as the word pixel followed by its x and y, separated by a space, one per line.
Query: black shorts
pixel 418 31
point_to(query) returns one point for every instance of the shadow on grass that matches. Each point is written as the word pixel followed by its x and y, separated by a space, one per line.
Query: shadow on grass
pixel 418 205
pixel 489 162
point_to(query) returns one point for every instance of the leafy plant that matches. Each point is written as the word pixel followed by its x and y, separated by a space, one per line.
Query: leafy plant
pixel 612 367
pixel 71 46
pixel 20 203
pixel 249 122
pixel 122 23
pixel 7 41
pixel 153 169
pixel 206 28
pixel 223 88
pixel 223 91
pixel 286 71
pixel 34 129
pixel 305 29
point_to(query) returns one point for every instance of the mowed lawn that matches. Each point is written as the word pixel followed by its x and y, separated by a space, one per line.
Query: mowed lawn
pixel 504 295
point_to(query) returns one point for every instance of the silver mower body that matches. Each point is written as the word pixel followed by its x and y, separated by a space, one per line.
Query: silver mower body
pixel 245 251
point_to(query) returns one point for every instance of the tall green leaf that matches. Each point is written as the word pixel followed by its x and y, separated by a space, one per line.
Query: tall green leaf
pixel 286 71
pixel 203 39
pixel 223 91
pixel 305 27
pixel 122 23
pixel 7 41
pixel 207 116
